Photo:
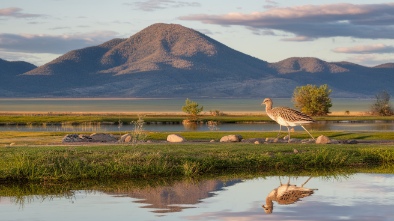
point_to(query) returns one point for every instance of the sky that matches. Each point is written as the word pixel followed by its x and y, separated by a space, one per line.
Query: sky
pixel 358 31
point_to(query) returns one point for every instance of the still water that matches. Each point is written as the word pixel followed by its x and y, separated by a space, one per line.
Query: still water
pixel 154 105
pixel 353 197
pixel 318 126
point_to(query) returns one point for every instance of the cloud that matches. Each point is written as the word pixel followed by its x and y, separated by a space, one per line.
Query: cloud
pixel 56 44
pixel 299 38
pixel 369 59
pixel 370 21
pixel 16 13
pixel 152 5
pixel 270 4
pixel 366 49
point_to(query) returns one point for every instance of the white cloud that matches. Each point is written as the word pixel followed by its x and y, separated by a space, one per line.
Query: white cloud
pixel 366 49
pixel 16 13
pixel 56 44
pixel 315 21
pixel 152 5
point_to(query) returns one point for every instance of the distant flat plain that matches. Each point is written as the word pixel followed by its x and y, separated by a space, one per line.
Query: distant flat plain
pixel 164 105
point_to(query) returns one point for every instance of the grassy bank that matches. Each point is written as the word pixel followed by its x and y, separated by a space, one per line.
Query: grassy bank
pixel 60 163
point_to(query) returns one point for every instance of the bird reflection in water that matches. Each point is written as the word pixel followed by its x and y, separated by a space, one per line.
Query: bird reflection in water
pixel 286 194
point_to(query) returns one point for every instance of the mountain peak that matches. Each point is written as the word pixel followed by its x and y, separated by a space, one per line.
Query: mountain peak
pixel 306 64
pixel 157 45
pixel 386 65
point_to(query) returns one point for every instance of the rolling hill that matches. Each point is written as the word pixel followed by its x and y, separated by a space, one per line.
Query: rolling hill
pixel 169 60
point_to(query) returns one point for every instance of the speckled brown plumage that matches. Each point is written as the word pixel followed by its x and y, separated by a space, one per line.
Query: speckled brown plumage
pixel 287 117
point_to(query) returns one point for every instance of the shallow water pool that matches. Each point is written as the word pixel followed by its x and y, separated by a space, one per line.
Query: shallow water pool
pixel 353 197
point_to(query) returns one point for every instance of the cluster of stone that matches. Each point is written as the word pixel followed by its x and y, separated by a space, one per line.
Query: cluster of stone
pixel 175 138
pixel 95 137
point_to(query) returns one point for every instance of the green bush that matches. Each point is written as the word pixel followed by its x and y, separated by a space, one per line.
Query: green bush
pixel 382 105
pixel 192 108
pixel 313 100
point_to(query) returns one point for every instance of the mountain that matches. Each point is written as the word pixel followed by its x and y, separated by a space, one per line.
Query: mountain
pixel 159 47
pixel 169 60
pixel 387 65
pixel 306 65
pixel 9 70
pixel 13 68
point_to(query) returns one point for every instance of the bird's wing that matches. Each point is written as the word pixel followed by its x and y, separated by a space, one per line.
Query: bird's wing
pixel 292 115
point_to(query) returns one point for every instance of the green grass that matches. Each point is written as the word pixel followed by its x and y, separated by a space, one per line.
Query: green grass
pixel 60 163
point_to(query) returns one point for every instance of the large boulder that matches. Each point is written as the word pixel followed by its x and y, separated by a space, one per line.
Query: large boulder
pixel 102 137
pixel 175 138
pixel 231 138
pixel 71 138
pixel 323 140
pixel 126 138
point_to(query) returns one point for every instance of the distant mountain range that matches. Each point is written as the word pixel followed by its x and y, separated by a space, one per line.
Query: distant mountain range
pixel 169 60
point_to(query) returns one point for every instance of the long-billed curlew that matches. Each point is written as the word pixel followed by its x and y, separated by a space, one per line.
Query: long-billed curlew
pixel 286 194
pixel 287 117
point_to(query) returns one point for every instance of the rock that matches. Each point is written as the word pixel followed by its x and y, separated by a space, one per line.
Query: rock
pixel 253 140
pixel 231 138
pixel 308 141
pixel 269 140
pixel 295 151
pixel 102 137
pixel 175 138
pixel 70 138
pixel 257 142
pixel 294 140
pixel 323 140
pixel 212 141
pixel 352 142
pixel 125 138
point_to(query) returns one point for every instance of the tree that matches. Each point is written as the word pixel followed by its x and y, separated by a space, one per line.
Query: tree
pixel 313 100
pixel 382 105
pixel 192 108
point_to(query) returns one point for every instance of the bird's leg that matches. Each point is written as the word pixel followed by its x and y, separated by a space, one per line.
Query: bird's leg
pixel 308 132
pixel 280 129
pixel 288 129
pixel 306 181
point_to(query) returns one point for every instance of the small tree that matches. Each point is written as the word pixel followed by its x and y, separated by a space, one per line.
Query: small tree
pixel 192 108
pixel 382 105
pixel 313 100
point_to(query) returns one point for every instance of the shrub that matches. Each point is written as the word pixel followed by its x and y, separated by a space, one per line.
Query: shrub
pixel 313 100
pixel 192 108
pixel 382 105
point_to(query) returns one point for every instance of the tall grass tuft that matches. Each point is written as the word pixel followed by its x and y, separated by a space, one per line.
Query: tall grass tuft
pixel 138 134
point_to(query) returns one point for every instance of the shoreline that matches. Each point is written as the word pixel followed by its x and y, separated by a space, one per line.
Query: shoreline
pixel 159 113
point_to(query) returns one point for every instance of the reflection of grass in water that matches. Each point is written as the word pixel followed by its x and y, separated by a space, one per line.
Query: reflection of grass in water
pixel 25 193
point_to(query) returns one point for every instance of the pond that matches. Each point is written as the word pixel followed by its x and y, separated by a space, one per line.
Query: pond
pixel 352 197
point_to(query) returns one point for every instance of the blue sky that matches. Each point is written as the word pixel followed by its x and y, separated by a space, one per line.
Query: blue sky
pixel 359 31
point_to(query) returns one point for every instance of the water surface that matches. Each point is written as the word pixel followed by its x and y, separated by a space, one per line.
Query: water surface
pixel 266 126
pixel 249 105
pixel 354 197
